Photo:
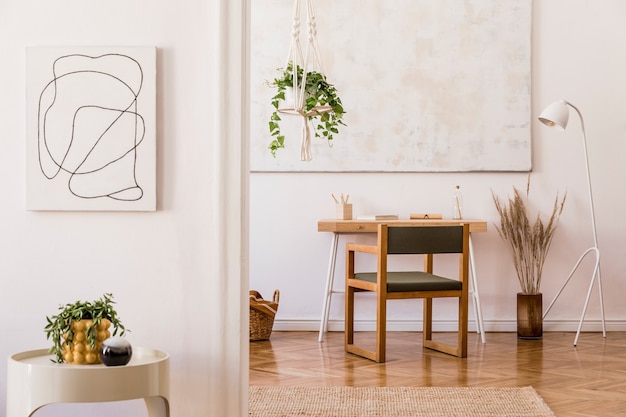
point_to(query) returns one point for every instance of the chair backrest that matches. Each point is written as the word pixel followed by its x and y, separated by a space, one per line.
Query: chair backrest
pixel 424 240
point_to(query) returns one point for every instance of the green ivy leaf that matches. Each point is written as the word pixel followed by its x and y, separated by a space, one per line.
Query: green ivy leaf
pixel 317 91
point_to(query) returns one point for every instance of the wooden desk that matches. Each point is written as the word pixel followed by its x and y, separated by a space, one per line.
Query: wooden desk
pixel 338 227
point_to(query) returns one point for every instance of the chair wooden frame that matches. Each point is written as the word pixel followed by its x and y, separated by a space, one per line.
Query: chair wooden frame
pixel 381 251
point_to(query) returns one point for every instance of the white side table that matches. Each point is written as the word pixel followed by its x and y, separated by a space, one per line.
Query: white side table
pixel 33 381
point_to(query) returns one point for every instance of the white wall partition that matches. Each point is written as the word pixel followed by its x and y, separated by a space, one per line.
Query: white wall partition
pixel 178 274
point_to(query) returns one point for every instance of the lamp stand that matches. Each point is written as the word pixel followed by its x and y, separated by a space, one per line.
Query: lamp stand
pixel 594 249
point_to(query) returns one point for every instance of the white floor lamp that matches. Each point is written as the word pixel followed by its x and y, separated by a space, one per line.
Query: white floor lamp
pixel 557 115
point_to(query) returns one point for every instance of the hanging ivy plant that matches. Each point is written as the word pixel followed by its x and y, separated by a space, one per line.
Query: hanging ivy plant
pixel 317 92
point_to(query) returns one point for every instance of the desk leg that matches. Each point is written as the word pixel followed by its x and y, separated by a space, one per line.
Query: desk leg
pixel 478 312
pixel 329 286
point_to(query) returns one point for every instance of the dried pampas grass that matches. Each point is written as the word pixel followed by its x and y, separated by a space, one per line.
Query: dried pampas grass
pixel 529 243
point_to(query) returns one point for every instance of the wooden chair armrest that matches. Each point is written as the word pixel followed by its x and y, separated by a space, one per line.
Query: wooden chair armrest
pixel 360 247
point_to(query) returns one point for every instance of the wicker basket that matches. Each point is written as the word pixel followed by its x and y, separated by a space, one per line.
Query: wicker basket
pixel 262 313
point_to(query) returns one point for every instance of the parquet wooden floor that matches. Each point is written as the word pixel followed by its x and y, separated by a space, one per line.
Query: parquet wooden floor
pixel 586 380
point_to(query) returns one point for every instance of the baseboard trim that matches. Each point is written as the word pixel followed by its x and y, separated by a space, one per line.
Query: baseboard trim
pixel 443 326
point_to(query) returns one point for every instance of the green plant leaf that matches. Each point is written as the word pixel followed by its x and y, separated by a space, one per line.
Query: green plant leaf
pixel 60 325
pixel 317 91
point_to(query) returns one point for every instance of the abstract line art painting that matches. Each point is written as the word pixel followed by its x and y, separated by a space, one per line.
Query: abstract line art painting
pixel 91 130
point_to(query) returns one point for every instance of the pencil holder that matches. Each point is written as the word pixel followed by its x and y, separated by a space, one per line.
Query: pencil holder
pixel 343 211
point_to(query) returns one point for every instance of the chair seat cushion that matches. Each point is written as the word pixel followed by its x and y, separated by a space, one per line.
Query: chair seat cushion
pixel 413 281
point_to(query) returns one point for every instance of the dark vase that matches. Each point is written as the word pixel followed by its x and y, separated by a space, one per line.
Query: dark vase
pixel 115 351
pixel 529 316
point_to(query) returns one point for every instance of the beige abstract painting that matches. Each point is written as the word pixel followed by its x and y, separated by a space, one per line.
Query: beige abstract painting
pixel 427 85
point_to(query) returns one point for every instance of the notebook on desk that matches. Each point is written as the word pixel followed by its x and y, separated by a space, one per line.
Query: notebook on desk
pixel 377 217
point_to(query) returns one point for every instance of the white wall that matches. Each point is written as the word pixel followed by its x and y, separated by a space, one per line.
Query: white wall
pixel 179 274
pixel 578 55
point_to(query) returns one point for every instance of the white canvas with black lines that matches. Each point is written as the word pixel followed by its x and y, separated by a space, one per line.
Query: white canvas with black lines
pixel 91 128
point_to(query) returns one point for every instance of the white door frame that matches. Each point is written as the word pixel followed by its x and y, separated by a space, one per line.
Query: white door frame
pixel 229 389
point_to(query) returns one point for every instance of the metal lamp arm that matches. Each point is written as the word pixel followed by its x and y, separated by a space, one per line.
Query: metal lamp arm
pixel 590 192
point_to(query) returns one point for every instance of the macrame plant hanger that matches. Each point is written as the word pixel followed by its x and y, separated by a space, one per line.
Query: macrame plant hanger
pixel 296 103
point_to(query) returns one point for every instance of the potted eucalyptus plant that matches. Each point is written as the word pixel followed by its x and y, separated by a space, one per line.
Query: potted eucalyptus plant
pixel 529 242
pixel 78 330
pixel 321 104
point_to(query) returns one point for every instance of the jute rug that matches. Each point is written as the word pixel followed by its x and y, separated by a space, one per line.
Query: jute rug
pixel 396 402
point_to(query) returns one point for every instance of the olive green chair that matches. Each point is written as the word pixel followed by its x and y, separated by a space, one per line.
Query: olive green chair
pixel 391 285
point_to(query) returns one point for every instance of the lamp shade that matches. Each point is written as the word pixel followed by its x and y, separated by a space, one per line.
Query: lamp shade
pixel 556 114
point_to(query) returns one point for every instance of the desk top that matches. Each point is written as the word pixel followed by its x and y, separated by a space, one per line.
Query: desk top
pixel 371 226
pixel 42 358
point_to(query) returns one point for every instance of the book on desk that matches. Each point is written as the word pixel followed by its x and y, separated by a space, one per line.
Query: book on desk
pixel 377 217
pixel 426 216
pixel 413 216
